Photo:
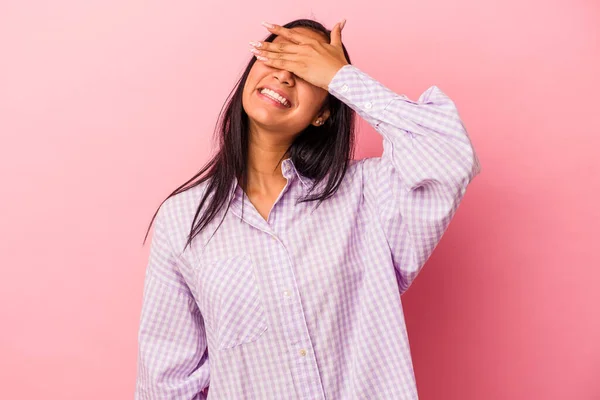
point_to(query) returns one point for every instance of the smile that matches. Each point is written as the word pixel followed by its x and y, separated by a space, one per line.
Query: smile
pixel 273 98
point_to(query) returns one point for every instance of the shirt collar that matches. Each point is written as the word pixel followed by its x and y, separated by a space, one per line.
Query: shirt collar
pixel 288 164
pixel 288 170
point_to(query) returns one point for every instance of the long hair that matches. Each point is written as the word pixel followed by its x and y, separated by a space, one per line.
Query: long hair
pixel 318 152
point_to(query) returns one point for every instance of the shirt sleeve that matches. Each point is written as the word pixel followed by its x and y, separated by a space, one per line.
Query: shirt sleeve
pixel 172 349
pixel 416 185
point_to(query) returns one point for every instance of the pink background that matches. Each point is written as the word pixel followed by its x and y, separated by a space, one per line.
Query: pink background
pixel 107 106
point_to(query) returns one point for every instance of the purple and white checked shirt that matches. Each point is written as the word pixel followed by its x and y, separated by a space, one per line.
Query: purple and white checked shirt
pixel 307 305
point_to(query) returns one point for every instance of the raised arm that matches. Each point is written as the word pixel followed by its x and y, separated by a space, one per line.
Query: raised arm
pixel 416 185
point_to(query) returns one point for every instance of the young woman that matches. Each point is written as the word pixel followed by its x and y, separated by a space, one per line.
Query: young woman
pixel 278 274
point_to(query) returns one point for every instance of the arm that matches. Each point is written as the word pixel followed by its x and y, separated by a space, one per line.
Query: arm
pixel 416 185
pixel 172 357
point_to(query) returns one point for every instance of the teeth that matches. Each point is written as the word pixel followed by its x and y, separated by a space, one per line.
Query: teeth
pixel 275 96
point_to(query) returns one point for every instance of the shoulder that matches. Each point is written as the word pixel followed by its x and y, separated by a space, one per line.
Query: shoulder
pixel 176 214
pixel 356 169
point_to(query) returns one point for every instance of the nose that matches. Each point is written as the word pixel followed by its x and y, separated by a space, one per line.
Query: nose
pixel 284 76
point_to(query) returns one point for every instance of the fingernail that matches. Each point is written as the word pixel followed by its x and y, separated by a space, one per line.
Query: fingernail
pixel 268 25
pixel 255 44
pixel 343 23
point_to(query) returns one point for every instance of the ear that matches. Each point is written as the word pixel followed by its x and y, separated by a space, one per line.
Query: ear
pixel 321 118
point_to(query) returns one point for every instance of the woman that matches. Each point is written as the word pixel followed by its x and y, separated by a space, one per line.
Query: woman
pixel 298 296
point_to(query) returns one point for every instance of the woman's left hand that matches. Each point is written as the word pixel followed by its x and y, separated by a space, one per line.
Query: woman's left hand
pixel 314 61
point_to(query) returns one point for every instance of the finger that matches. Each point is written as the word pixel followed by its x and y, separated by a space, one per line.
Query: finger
pixel 280 47
pixel 272 55
pixel 336 34
pixel 280 63
pixel 290 35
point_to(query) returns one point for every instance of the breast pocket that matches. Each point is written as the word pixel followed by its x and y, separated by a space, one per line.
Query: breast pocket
pixel 234 300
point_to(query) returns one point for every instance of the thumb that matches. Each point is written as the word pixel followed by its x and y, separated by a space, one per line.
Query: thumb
pixel 336 33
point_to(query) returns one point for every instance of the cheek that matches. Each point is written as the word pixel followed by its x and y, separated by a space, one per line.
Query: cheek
pixel 310 103
pixel 310 94
pixel 256 74
pixel 252 78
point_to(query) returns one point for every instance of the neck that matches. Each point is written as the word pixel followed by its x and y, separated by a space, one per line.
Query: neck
pixel 264 170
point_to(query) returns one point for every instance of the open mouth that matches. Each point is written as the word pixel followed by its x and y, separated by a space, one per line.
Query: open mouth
pixel 274 98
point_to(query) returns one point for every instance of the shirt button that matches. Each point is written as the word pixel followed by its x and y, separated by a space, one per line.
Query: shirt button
pixel 368 105
pixel 286 293
pixel 344 88
pixel 302 352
